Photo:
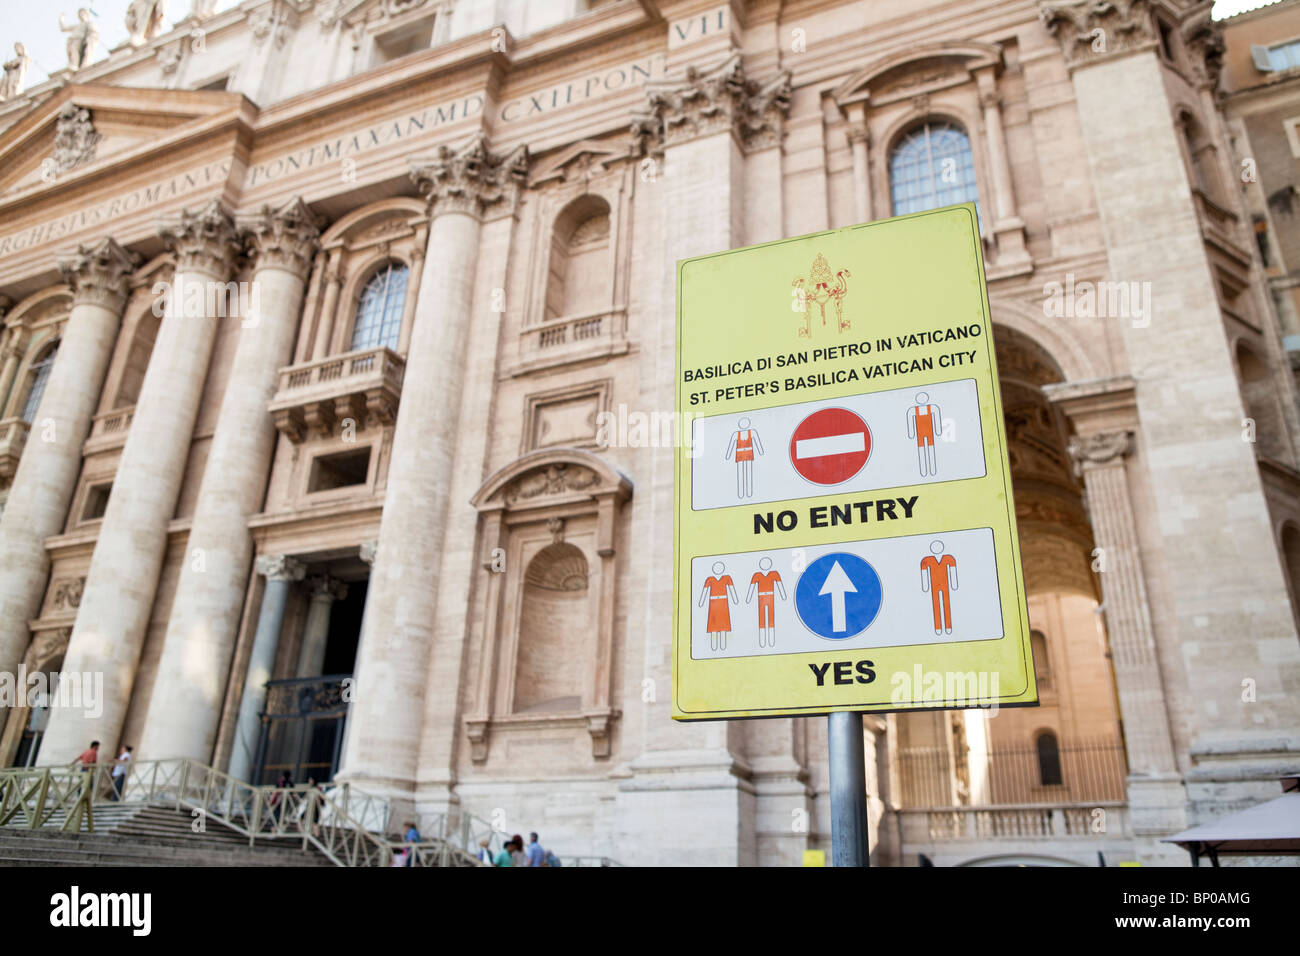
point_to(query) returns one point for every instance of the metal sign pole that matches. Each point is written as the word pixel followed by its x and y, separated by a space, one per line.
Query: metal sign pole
pixel 849 845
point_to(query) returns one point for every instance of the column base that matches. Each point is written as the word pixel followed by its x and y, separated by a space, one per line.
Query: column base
pixel 1012 256
pixel 785 821
pixel 686 808
pixel 1157 807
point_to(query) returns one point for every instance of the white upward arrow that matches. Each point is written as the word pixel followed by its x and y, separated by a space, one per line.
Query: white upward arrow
pixel 837 585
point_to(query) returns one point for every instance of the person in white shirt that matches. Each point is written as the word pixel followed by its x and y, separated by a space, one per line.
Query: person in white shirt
pixel 119 772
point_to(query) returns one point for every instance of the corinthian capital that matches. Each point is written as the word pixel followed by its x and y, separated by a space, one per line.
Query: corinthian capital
pixel 284 238
pixel 206 240
pixel 325 587
pixel 1091 30
pixel 280 567
pixel 470 179
pixel 704 102
pixel 99 273
pixel 1099 449
pixel 1203 38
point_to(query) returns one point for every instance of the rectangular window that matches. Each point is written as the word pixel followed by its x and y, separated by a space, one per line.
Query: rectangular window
pixel 1284 56
pixel 411 38
pixel 341 470
pixel 96 501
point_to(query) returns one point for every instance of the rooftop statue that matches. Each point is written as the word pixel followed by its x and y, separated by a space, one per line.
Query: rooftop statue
pixel 82 37
pixel 144 20
pixel 15 73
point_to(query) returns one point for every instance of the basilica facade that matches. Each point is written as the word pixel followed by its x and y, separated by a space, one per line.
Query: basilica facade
pixel 339 335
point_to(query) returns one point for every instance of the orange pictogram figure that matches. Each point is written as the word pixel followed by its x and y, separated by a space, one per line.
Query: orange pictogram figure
pixel 938 577
pixel 819 290
pixel 924 421
pixel 717 590
pixel 768 582
pixel 744 445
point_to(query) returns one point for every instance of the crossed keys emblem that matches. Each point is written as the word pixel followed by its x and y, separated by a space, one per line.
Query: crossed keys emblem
pixel 818 289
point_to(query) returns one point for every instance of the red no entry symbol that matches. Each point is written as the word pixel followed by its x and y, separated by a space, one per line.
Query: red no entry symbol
pixel 830 446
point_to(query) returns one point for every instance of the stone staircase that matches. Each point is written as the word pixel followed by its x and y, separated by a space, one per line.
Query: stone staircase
pixel 140 834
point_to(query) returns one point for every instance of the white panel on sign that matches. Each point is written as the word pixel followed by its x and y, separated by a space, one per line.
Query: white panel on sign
pixel 920 589
pixel 890 439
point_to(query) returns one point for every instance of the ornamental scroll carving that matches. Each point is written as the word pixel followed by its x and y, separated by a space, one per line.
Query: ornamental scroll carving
pixel 75 138
pixel 556 479
pixel 99 272
pixel 206 240
pixel 704 102
pixel 1090 30
pixel 1099 449
pixel 470 179
pixel 46 647
pixel 285 238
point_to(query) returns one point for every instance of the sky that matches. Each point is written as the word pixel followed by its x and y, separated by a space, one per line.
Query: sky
pixel 36 24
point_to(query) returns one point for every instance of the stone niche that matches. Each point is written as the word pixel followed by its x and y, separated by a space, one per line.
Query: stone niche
pixel 544 634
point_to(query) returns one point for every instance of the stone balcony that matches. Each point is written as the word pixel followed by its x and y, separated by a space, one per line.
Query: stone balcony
pixel 13 437
pixel 314 397
pixel 572 338
pixel 1062 833
pixel 108 431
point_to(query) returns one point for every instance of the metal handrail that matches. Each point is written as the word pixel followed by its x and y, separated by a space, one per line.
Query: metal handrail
pixel 347 825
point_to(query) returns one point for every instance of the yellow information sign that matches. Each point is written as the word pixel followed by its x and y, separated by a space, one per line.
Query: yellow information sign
pixel 845 537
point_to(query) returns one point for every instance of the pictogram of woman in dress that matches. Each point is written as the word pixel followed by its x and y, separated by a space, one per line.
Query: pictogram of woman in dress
pixel 718 590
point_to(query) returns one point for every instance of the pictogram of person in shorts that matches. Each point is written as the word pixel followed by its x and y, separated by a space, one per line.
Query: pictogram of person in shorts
pixel 924 422
pixel 718 590
pixel 768 583
pixel 939 577
pixel 744 445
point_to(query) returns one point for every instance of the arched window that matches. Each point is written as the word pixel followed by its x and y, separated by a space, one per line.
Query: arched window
pixel 1042 667
pixel 40 372
pixel 1049 759
pixel 379 311
pixel 932 166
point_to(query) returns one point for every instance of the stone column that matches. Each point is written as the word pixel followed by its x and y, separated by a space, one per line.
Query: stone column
pixel 42 487
pixel 280 572
pixel 1155 789
pixel 191 684
pixel 860 141
pixel 386 713
pixel 325 324
pixel 10 354
pixel 1007 224
pixel 325 590
pixel 124 571
pixel 697 774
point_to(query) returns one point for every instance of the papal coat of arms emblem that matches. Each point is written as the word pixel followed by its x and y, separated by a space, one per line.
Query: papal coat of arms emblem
pixel 820 288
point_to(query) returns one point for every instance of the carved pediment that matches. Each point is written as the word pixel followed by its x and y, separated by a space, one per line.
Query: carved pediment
pixel 578 162
pixel 542 477
pixel 85 126
pixel 918 70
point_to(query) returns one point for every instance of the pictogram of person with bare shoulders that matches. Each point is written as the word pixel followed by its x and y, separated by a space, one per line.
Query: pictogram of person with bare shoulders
pixel 924 421
pixel 938 578
pixel 768 583
pixel 744 445
pixel 718 590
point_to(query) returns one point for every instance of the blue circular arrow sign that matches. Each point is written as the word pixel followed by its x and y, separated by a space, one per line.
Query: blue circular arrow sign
pixel 838 596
